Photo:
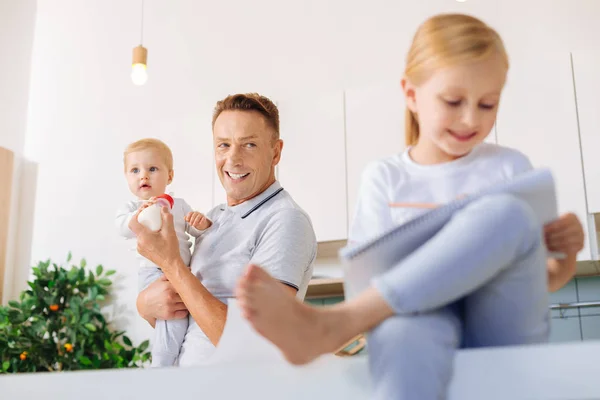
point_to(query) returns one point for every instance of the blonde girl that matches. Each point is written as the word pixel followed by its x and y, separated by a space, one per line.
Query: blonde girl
pixel 482 280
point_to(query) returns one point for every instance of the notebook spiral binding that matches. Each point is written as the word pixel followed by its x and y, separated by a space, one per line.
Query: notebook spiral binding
pixel 448 209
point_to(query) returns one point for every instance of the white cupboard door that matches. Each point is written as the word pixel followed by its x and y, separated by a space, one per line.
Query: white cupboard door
pixel 586 68
pixel 313 162
pixel 538 117
pixel 374 130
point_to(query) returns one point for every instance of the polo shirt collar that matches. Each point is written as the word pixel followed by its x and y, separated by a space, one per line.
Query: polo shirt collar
pixel 249 206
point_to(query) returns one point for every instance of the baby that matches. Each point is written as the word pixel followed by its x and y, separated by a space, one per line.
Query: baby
pixel 149 169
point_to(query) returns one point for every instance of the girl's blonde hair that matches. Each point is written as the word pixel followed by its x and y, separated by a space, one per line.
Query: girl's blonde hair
pixel 444 40
pixel 151 144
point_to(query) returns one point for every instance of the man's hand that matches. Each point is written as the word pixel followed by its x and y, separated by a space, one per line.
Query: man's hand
pixel 162 247
pixel 147 203
pixel 198 220
pixel 160 301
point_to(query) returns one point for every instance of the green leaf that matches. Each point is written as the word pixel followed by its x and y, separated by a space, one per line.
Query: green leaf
pixel 44 266
pixel 51 284
pixel 105 282
pixel 127 341
pixel 72 275
pixel 83 263
pixel 14 304
pixel 110 272
pixel 75 304
pixel 100 297
pixel 85 360
pixel 99 269
pixel 90 327
pixel 61 275
pixel 5 365
pixel 144 346
pixel 15 316
pixel 85 318
pixel 69 256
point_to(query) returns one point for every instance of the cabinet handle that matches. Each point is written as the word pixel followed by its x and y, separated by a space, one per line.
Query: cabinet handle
pixel 581 304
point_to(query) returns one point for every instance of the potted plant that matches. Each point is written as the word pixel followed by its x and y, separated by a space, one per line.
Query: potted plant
pixel 57 324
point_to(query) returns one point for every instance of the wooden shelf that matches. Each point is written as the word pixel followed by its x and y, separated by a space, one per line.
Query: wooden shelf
pixel 328 281
pixel 320 288
pixel 587 268
pixel 330 249
pixel 6 177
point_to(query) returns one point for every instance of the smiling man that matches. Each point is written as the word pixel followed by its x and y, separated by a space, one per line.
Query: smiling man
pixel 260 224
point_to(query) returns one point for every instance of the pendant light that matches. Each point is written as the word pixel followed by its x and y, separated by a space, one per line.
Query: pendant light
pixel 139 66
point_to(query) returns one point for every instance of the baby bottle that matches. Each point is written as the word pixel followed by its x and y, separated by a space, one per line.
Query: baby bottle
pixel 150 216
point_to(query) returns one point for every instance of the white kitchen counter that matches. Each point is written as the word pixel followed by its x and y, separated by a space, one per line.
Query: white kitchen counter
pixel 561 371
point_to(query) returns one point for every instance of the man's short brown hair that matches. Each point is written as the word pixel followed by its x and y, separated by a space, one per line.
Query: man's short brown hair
pixel 250 102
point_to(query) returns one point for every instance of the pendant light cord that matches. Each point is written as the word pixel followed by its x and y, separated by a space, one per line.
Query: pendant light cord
pixel 142 25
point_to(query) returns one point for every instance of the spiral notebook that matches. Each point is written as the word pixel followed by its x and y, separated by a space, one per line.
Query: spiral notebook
pixel 369 259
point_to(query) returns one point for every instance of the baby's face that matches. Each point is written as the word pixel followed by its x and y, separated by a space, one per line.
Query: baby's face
pixel 147 174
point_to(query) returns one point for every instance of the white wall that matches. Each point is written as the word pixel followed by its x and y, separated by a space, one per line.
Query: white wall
pixel 84 109
pixel 17 22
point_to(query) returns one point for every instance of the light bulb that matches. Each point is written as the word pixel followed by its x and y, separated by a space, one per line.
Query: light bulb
pixel 139 75
pixel 139 64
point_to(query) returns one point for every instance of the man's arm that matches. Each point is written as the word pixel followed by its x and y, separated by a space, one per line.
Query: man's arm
pixel 160 301
pixel 285 248
pixel 162 248
pixel 209 312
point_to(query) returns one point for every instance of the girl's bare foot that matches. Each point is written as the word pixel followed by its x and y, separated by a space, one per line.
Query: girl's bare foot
pixel 301 332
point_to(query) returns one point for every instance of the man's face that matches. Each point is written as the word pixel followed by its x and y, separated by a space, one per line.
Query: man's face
pixel 245 154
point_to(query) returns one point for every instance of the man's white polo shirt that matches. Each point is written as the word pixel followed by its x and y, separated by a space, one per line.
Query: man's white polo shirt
pixel 269 230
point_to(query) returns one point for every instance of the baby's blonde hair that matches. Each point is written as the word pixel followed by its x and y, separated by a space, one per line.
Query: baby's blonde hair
pixel 444 40
pixel 150 144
